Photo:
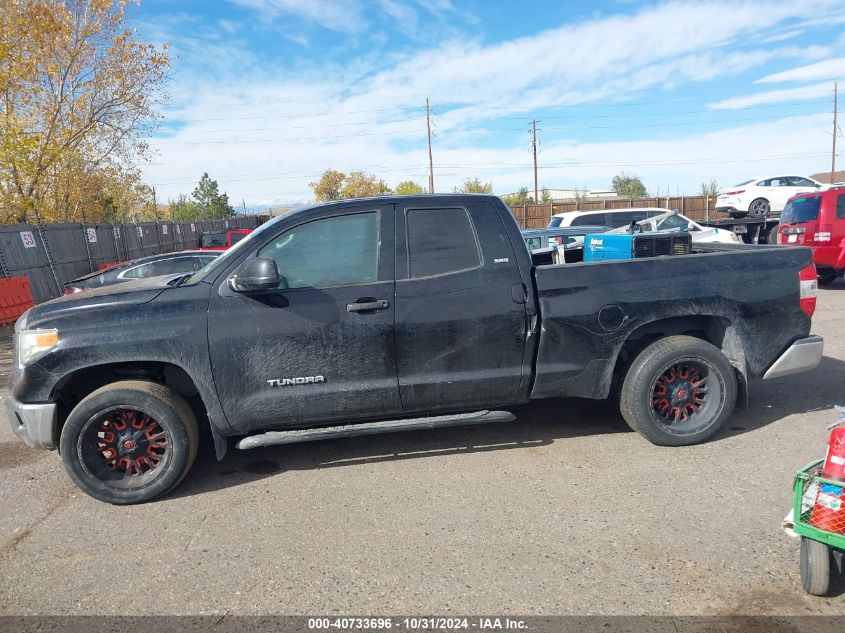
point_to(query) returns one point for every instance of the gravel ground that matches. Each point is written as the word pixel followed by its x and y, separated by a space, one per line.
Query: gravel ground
pixel 565 511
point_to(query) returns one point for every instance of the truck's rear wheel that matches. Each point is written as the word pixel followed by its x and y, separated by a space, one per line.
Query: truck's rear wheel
pixel 678 391
pixel 129 442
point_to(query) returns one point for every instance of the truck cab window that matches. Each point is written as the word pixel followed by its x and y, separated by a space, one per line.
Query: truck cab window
pixel 440 241
pixel 338 251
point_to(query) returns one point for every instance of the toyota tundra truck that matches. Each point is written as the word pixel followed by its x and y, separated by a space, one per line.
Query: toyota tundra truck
pixel 394 313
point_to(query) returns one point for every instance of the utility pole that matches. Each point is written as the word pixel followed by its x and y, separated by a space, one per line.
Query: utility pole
pixel 833 151
pixel 534 149
pixel 430 161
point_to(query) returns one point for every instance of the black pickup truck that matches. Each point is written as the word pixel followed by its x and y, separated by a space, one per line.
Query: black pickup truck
pixel 395 313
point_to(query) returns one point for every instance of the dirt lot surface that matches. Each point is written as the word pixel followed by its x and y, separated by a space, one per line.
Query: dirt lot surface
pixel 565 511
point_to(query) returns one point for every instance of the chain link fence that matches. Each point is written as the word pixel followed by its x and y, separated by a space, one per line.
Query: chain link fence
pixel 51 254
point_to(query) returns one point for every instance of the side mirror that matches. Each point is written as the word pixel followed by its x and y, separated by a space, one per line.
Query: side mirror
pixel 256 273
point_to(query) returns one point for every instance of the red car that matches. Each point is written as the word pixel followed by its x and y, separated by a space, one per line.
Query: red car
pixel 817 219
pixel 221 240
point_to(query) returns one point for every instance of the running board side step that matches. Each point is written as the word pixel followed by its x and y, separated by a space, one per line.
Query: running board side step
pixel 373 428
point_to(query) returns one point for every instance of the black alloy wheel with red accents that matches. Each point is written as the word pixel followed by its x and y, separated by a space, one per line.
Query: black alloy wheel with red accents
pixel 679 390
pixel 129 442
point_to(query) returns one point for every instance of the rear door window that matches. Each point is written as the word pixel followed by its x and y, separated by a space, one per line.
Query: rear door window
pixel 801 209
pixel 590 219
pixel 440 241
pixel 840 206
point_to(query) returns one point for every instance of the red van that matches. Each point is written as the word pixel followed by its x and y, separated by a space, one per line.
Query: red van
pixel 817 219
pixel 221 240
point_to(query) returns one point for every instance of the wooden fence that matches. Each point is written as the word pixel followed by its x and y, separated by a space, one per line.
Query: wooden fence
pixel 537 216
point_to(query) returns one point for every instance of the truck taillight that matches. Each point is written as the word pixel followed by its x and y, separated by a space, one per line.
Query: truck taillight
pixel 808 280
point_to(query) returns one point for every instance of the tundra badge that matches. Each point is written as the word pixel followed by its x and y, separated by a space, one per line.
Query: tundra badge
pixel 300 380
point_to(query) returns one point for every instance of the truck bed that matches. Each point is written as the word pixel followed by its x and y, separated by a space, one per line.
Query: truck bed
pixel 591 309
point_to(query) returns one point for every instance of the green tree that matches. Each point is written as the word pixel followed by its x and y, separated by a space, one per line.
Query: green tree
pixel 474 185
pixel 209 202
pixel 183 208
pixel 710 189
pixel 545 196
pixel 581 196
pixel 628 186
pixel 329 186
pixel 408 188
pixel 361 185
pixel 517 199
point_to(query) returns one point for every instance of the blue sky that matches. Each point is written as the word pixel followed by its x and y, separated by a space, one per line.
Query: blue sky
pixel 266 94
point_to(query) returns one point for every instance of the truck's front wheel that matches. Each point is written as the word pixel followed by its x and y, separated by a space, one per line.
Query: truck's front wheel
pixel 129 442
pixel 678 391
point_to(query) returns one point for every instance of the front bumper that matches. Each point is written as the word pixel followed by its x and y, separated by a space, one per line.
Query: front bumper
pixel 35 424
pixel 803 355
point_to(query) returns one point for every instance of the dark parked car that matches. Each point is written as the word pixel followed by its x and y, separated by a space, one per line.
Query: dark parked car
pixel 141 268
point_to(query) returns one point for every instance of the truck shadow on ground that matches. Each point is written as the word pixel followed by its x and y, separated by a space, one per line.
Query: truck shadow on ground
pixel 537 424
pixel 540 423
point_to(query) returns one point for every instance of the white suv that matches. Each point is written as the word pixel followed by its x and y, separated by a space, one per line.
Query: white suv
pixel 760 196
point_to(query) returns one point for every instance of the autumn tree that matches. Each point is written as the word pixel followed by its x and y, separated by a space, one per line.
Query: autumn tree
pixel 79 92
pixel 329 186
pixel 517 199
pixel 628 186
pixel 361 185
pixel 474 185
pixel 408 188
pixel 209 202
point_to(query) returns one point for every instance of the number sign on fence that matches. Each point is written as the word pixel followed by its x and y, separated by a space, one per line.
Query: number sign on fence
pixel 28 239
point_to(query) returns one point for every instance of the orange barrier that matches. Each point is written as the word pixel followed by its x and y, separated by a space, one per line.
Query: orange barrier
pixel 15 298
pixel 109 265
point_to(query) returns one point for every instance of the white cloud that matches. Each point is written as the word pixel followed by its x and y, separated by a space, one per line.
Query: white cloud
pixel 264 131
pixel 827 69
pixel 337 15
pixel 804 93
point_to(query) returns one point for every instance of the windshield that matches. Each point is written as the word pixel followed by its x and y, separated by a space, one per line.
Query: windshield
pixel 554 223
pixel 237 237
pixel 801 210
pixel 213 239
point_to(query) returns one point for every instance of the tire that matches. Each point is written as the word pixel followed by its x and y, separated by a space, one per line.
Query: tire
pixel 827 277
pixel 129 442
pixel 678 391
pixel 772 237
pixel 759 208
pixel 815 567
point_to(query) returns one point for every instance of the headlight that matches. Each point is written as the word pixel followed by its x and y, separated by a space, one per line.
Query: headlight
pixel 33 343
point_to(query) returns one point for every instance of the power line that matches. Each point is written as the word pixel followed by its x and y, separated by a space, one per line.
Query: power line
pixel 413 132
pixel 513 167
pixel 541 106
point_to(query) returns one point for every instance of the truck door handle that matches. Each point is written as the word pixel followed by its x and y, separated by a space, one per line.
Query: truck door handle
pixel 367 304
